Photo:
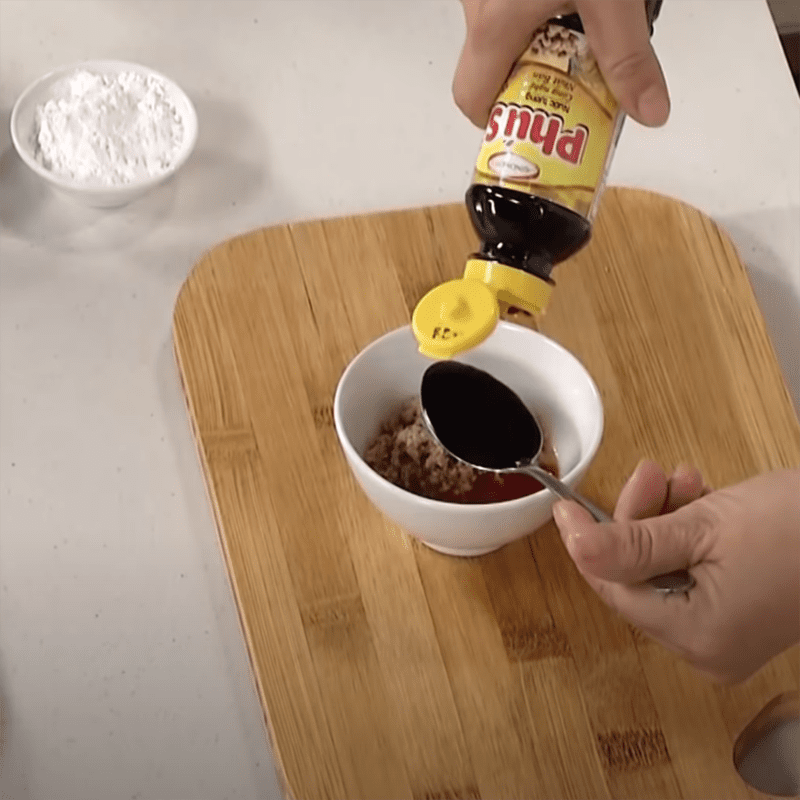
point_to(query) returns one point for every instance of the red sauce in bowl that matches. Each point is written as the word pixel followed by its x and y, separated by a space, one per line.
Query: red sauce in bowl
pixel 492 488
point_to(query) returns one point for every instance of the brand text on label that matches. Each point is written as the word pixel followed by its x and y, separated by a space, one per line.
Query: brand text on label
pixel 545 131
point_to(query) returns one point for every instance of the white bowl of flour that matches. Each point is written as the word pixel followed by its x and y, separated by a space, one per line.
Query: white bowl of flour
pixel 104 132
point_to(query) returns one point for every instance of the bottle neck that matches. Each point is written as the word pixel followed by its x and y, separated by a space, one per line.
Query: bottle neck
pixel 511 285
pixel 532 262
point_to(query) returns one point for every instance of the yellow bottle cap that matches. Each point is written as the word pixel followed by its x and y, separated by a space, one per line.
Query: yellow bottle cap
pixel 458 315
pixel 454 316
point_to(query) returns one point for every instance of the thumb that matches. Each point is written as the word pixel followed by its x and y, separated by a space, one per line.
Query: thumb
pixel 619 36
pixel 631 551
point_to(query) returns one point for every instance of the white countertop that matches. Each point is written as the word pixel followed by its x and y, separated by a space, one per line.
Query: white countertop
pixel 123 673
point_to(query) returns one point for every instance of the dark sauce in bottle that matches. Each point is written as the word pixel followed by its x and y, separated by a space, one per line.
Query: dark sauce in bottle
pixel 523 230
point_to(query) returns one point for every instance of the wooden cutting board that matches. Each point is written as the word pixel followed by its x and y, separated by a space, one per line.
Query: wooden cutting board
pixel 387 670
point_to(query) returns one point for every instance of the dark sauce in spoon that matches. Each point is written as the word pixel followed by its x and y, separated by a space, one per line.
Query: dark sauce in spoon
pixel 477 418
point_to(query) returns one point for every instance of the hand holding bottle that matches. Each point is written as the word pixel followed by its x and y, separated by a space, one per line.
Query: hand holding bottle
pixel 551 89
pixel 498 31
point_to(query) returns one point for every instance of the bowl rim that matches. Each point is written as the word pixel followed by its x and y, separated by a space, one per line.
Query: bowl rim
pixel 98 65
pixel 466 508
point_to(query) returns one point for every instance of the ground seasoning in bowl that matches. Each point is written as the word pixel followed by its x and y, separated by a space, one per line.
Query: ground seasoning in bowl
pixel 405 454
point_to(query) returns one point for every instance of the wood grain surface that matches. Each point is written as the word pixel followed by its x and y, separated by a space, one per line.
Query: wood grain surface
pixel 387 670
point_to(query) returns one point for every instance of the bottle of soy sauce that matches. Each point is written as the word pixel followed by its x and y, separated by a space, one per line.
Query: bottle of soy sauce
pixel 538 178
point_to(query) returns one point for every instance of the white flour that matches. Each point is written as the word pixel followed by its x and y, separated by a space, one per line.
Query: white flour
pixel 108 129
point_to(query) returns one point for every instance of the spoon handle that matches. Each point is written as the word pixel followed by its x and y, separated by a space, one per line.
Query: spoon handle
pixel 565 493
pixel 679 581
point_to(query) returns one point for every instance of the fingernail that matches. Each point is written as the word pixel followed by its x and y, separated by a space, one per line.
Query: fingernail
pixel 683 470
pixel 562 519
pixel 565 516
pixel 653 106
pixel 637 470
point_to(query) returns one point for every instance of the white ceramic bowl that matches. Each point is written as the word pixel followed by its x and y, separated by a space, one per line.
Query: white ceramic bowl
pixel 97 195
pixel 549 379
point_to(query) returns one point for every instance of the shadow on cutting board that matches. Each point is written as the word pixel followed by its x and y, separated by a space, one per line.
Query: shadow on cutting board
pixel 766 752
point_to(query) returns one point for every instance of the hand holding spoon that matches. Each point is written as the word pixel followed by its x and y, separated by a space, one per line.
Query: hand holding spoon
pixel 483 423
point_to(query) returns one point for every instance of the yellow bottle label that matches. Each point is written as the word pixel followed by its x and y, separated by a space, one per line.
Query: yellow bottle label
pixel 553 128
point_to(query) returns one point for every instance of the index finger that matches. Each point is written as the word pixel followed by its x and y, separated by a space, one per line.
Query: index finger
pixel 498 31
pixel 644 492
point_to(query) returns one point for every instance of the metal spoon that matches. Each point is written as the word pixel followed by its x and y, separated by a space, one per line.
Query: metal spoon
pixel 484 424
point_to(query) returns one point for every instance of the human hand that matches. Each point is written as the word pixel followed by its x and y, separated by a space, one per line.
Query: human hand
pixel 742 545
pixel 498 31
